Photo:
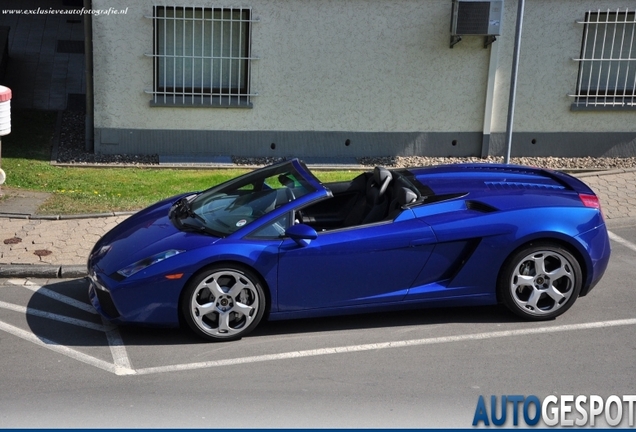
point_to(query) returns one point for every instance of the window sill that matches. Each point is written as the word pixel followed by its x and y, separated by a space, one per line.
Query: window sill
pixel 201 102
pixel 600 103
pixel 582 106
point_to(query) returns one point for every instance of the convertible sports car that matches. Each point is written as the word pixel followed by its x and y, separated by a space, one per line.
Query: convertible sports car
pixel 277 243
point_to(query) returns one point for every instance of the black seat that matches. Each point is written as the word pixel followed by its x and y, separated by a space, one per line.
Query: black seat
pixel 372 203
pixel 377 200
pixel 402 196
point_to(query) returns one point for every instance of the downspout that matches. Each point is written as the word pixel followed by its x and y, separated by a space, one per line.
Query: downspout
pixel 513 80
pixel 490 95
pixel 88 67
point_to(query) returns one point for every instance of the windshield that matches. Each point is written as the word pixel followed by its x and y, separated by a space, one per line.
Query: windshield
pixel 230 206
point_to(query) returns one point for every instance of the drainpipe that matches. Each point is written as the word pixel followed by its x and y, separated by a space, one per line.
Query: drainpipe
pixel 513 80
pixel 88 64
pixel 490 95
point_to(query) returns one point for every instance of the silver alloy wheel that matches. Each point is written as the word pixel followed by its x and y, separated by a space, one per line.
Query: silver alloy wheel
pixel 225 304
pixel 542 282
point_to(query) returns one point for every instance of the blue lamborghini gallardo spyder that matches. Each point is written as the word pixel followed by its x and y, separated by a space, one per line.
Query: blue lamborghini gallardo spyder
pixel 276 243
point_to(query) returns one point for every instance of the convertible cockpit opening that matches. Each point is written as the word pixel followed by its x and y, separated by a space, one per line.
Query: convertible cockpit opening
pixel 371 197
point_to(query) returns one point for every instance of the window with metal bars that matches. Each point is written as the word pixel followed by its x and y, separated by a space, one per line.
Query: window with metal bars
pixel 202 56
pixel 607 67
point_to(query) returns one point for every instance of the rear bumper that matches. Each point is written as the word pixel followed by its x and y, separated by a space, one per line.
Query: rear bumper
pixel 597 244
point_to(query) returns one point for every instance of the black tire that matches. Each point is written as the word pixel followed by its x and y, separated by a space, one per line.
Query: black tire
pixel 223 303
pixel 540 281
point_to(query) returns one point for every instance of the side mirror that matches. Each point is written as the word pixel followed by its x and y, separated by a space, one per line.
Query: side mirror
pixel 302 234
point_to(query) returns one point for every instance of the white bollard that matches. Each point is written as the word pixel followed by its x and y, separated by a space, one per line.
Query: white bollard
pixel 5 122
pixel 5 110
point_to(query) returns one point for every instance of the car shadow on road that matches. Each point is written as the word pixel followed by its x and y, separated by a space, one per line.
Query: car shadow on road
pixel 60 313
pixel 406 318
pixel 64 316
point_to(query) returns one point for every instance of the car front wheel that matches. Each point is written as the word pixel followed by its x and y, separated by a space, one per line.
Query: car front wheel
pixel 540 282
pixel 223 303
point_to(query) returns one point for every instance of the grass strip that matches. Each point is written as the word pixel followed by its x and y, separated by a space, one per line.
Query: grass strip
pixel 26 154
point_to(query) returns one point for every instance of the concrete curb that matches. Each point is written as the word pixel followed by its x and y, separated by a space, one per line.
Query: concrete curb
pixel 65 217
pixel 42 271
pixel 313 167
pixel 604 172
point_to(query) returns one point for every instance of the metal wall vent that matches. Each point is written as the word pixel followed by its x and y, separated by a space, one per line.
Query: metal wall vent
pixel 476 18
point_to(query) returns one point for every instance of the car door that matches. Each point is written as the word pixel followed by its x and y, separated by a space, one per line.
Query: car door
pixel 357 266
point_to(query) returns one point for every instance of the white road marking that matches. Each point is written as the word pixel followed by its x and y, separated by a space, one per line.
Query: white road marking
pixel 622 241
pixel 121 362
pixel 64 350
pixel 55 317
pixel 117 348
pixel 54 295
pixel 385 345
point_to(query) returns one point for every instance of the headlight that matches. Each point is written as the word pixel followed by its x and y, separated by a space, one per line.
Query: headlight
pixel 147 262
pixel 100 252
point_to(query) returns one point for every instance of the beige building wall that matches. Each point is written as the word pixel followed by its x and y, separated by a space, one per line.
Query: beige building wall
pixel 551 38
pixel 361 67
pixel 368 65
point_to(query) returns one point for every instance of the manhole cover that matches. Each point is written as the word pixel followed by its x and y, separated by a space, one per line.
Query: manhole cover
pixel 42 252
pixel 14 240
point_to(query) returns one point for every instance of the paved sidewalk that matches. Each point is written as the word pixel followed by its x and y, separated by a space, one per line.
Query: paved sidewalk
pixel 34 247
pixel 616 190
pixel 58 246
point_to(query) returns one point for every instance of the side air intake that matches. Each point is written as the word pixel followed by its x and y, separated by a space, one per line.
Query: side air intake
pixel 480 206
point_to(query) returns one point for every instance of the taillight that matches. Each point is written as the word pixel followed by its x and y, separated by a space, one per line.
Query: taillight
pixel 591 201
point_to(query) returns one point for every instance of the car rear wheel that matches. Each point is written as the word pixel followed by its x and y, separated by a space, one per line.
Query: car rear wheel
pixel 540 281
pixel 223 303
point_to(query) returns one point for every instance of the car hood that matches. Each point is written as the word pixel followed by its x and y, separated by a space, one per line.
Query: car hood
pixel 142 235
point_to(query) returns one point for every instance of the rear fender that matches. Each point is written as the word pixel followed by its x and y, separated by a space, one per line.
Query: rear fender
pixel 502 233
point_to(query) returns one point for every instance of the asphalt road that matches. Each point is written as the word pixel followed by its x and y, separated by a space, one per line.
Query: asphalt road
pixel 60 366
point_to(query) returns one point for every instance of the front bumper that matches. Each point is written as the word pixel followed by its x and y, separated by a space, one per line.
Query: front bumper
pixel 101 299
pixel 151 301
